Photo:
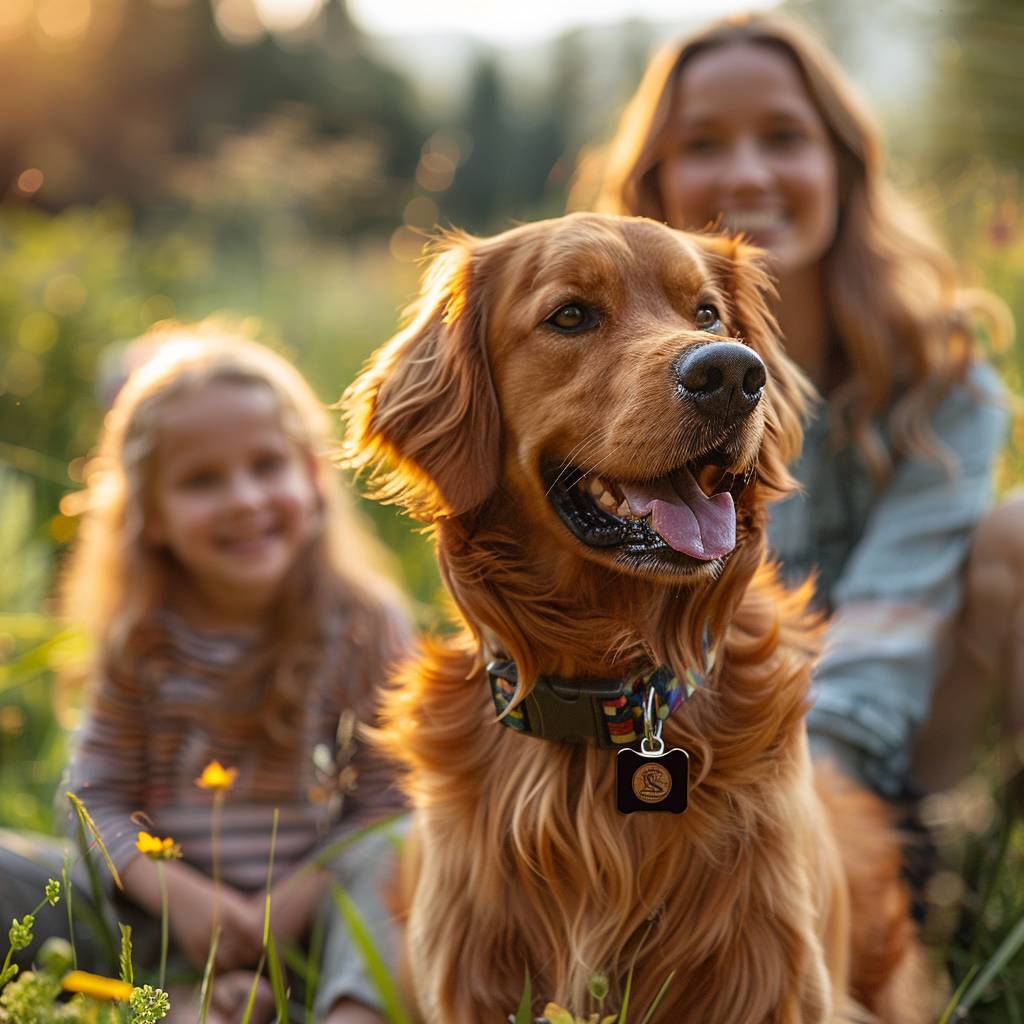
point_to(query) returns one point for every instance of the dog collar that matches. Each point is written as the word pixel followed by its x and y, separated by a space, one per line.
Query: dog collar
pixel 605 712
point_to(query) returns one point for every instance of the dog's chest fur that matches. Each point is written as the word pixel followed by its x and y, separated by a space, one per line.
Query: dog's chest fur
pixel 530 866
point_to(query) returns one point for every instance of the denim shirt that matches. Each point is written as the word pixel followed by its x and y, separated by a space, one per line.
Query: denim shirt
pixel 889 563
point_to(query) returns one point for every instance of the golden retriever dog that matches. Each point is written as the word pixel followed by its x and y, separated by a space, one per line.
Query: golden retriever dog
pixel 592 413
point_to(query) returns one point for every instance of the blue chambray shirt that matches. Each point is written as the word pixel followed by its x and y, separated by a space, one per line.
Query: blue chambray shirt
pixel 889 563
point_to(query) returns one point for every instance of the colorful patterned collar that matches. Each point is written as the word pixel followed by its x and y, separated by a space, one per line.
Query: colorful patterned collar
pixel 605 712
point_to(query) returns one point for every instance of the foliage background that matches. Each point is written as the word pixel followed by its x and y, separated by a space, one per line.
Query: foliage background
pixel 163 158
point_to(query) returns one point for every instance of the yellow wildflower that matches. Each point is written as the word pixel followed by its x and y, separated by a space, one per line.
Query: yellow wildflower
pixel 555 1014
pixel 97 986
pixel 157 849
pixel 216 776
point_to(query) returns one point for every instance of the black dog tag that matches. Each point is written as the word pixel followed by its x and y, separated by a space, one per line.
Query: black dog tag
pixel 652 782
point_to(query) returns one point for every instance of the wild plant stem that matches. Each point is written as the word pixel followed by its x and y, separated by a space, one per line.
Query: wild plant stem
pixel 218 803
pixel 163 922
pixel 7 962
pixel 65 877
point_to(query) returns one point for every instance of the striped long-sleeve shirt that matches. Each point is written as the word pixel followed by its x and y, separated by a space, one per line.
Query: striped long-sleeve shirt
pixel 146 739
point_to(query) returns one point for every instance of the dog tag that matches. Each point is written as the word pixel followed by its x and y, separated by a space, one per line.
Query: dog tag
pixel 652 782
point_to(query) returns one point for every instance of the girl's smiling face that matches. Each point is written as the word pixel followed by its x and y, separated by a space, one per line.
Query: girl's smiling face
pixel 746 143
pixel 233 497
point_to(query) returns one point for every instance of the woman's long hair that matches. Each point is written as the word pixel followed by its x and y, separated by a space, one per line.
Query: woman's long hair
pixel 337 597
pixel 904 332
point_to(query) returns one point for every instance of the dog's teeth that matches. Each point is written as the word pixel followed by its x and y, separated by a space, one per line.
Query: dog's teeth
pixel 605 500
pixel 623 510
pixel 596 486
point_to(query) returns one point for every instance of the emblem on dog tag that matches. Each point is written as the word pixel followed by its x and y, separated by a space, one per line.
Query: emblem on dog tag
pixel 652 782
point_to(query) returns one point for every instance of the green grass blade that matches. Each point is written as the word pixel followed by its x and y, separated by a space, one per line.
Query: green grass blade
pixel 277 981
pixel 65 878
pixel 625 996
pixel 85 820
pixel 251 1001
pixel 64 647
pixel 524 1014
pixel 101 926
pixel 391 1001
pixel 295 960
pixel 124 963
pixel 649 1015
pixel 947 1014
pixel 206 988
pixel 1004 953
pixel 328 853
pixel 270 876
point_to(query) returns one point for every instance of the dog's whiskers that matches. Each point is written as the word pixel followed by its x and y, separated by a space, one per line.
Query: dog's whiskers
pixel 567 462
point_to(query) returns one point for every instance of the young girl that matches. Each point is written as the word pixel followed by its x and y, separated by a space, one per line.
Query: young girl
pixel 239 614
pixel 750 126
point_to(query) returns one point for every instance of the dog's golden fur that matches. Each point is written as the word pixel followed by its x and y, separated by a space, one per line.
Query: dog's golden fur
pixel 519 859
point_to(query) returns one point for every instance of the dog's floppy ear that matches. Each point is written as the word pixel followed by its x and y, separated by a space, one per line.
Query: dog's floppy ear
pixel 422 417
pixel 740 270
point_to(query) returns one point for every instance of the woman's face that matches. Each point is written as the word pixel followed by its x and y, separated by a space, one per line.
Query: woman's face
pixel 746 143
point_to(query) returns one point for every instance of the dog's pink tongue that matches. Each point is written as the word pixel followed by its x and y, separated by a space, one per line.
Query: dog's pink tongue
pixel 684 516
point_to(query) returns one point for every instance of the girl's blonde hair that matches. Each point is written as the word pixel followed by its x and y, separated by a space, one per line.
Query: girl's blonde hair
pixel 904 332
pixel 117 582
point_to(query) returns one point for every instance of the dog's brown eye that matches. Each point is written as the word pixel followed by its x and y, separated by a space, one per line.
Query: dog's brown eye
pixel 707 318
pixel 572 317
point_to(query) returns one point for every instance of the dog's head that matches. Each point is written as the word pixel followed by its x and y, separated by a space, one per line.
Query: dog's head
pixel 613 386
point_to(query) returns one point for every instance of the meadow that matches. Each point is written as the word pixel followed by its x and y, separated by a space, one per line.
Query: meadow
pixel 76 285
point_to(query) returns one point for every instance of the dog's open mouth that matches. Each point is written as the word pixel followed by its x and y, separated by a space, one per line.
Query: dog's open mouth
pixel 691 510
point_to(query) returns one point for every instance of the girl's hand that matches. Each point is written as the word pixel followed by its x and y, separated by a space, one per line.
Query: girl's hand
pixel 293 902
pixel 192 903
pixel 231 995
pixel 195 912
pixel 241 931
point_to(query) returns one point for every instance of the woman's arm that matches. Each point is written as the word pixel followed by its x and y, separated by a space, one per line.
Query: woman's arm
pixel 900 590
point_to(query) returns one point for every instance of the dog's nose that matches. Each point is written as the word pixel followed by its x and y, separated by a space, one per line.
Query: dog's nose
pixel 724 380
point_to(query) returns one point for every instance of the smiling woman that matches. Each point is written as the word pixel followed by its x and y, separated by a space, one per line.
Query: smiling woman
pixel 750 126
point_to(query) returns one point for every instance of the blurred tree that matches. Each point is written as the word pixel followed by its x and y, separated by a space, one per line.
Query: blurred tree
pixel 523 140
pixel 980 84
pixel 107 104
pixel 484 184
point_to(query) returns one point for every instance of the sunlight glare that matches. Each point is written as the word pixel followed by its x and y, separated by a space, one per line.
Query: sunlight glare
pixel 13 16
pixel 287 15
pixel 501 22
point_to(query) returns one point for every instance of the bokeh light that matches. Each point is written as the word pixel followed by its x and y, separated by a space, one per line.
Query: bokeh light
pixel 64 295
pixel 421 212
pixel 436 172
pixel 64 22
pixel 406 244
pixel 38 332
pixel 238 21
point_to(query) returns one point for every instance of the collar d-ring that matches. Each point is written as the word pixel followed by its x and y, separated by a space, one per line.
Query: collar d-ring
pixel 652 743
